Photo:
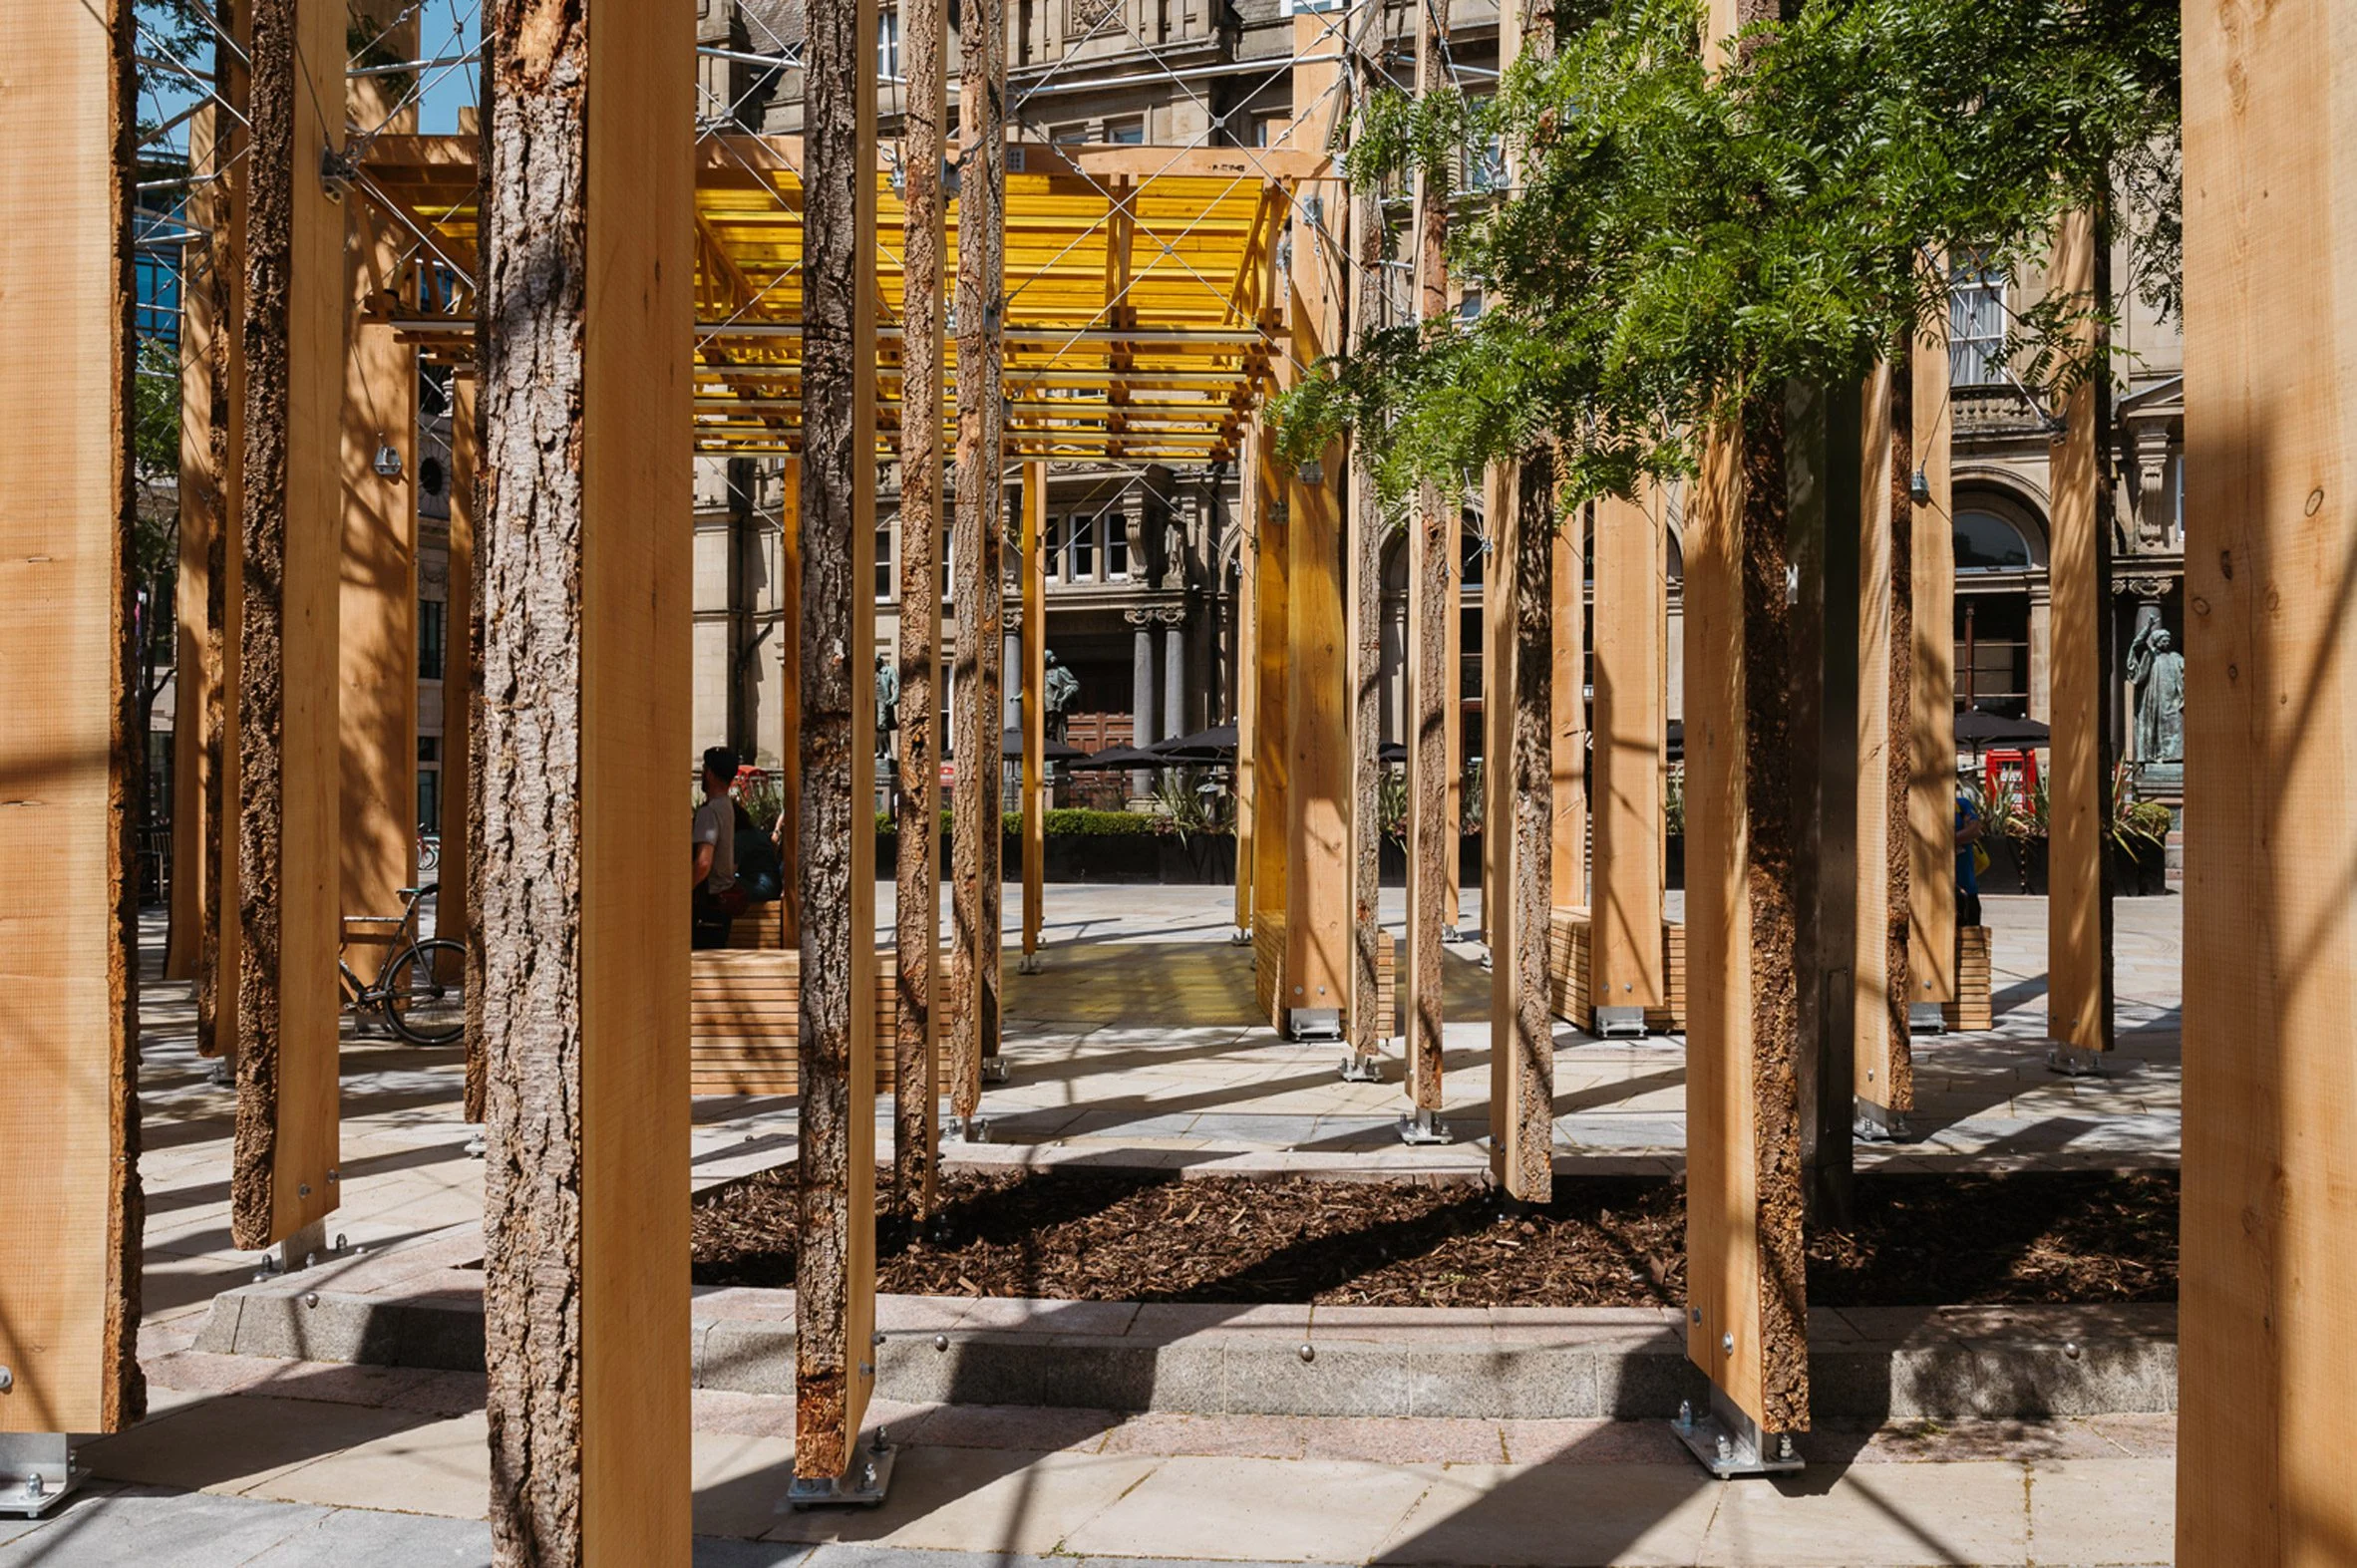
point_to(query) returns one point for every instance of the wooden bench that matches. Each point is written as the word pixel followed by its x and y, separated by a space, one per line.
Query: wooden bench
pixel 1974 1010
pixel 744 1021
pixel 1569 993
pixel 1268 974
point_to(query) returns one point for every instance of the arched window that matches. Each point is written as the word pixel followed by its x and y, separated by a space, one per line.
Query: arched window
pixel 1987 542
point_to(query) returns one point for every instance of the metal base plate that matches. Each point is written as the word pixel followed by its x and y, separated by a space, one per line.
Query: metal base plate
pixel 1620 1023
pixel 1926 1018
pixel 1421 1127
pixel 36 1472
pixel 994 1070
pixel 861 1486
pixel 1314 1023
pixel 1361 1070
pixel 976 1130
pixel 1241 938
pixel 1872 1123
pixel 2073 1062
pixel 1730 1443
pixel 1028 964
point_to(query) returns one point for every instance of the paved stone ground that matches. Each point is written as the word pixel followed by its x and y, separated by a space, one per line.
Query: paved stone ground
pixel 1123 1049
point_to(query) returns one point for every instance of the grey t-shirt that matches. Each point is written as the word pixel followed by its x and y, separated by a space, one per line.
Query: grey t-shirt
pixel 715 824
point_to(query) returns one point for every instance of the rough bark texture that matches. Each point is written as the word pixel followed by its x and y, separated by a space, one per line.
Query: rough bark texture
pixel 917 905
pixel 535 292
pixel 215 708
pixel 124 1397
pixel 836 604
pixel 980 545
pixel 270 241
pixel 1532 881
pixel 1769 802
pixel 1432 692
pixel 1366 638
pixel 1898 755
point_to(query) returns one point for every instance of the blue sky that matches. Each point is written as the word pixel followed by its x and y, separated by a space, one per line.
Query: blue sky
pixel 446 28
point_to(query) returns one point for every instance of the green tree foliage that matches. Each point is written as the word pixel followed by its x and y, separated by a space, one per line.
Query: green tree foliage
pixel 1679 235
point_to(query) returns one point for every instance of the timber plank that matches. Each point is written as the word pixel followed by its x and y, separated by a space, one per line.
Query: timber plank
pixel 287 1131
pixel 2078 991
pixel 835 1296
pixel 377 615
pixel 586 399
pixel 2268 1280
pixel 1931 793
pixel 1312 655
pixel 1629 726
pixel 1881 1068
pixel 69 1126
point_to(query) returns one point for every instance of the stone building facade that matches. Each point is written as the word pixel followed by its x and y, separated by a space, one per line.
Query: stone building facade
pixel 1142 561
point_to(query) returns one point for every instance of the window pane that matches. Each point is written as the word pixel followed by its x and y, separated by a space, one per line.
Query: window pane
pixel 431 625
pixel 1055 549
pixel 1976 325
pixel 1987 542
pixel 1117 548
pixel 1084 549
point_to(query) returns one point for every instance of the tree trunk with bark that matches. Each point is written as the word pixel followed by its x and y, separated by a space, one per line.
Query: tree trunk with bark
pixel 978 544
pixel 916 907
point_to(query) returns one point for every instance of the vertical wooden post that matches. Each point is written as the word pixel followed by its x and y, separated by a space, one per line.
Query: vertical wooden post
pixel 292 518
pixel 916 908
pixel 790 690
pixel 1246 612
pixel 584 569
pixel 69 1126
pixel 1883 1062
pixel 2077 987
pixel 981 527
pixel 202 521
pixel 216 714
pixel 1746 1274
pixel 1570 696
pixel 1626 963
pixel 1517 835
pixel 377 615
pixel 1452 724
pixel 1315 668
pixel 1931 791
pixel 835 1299
pixel 1035 712
pixel 1363 567
pixel 1749 1330
pixel 1431 674
pixel 461 686
pixel 2269 1274
pixel 1272 766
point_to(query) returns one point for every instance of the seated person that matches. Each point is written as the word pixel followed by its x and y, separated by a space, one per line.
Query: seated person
pixel 716 901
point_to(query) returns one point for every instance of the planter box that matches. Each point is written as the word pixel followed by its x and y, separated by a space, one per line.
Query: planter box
pixel 1203 859
pixel 2018 866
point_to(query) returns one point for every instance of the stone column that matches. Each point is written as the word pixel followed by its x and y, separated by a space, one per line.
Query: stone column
pixel 1141 730
pixel 1174 672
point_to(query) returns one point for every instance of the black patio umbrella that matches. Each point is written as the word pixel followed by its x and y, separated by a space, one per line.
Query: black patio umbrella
pixel 1979 729
pixel 1391 752
pixel 1218 743
pixel 1676 741
pixel 1011 748
pixel 1120 758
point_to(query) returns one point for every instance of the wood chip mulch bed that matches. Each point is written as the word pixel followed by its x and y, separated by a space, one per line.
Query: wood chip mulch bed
pixel 1916 1240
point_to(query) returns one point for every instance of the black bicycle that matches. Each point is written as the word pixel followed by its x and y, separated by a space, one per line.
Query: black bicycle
pixel 420 990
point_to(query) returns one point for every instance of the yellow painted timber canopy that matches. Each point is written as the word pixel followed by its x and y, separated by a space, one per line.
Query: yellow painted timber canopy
pixel 1143 318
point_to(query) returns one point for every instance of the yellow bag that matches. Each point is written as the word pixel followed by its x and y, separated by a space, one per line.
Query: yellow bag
pixel 1980 861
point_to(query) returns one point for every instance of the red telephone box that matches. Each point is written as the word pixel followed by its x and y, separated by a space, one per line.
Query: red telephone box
pixel 2012 774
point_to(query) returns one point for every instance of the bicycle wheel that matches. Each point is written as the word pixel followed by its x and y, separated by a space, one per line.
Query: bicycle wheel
pixel 425 993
